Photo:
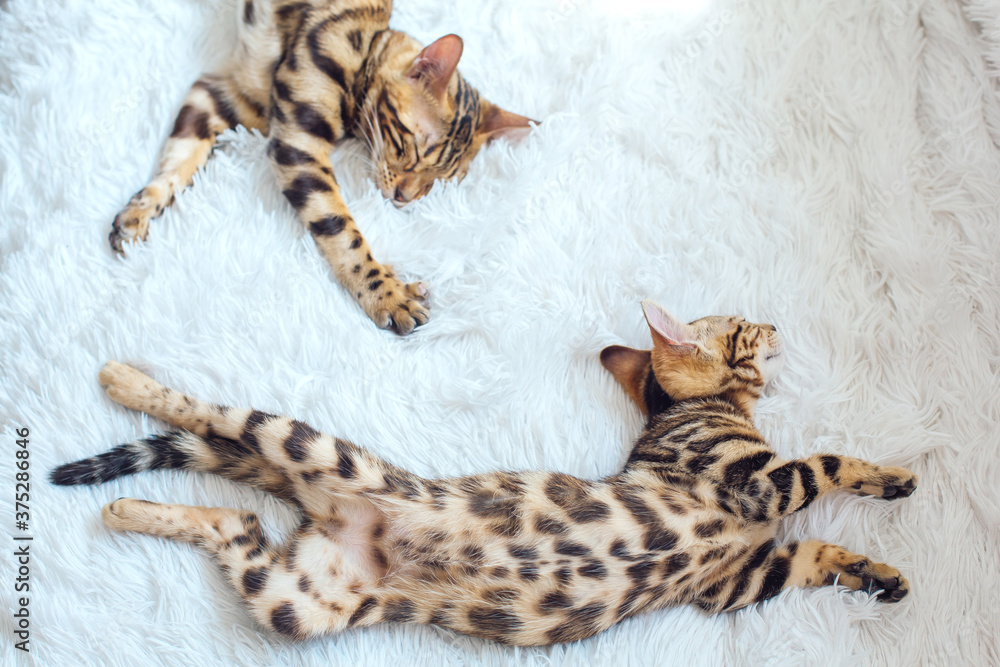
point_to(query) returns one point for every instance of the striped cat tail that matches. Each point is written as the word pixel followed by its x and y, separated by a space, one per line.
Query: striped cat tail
pixel 176 449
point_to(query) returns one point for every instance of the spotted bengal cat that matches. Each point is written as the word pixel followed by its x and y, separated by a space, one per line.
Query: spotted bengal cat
pixel 310 73
pixel 523 558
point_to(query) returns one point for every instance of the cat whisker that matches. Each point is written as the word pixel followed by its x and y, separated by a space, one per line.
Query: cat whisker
pixel 378 144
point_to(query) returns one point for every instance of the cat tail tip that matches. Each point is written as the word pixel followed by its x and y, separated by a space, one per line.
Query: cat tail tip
pixel 76 473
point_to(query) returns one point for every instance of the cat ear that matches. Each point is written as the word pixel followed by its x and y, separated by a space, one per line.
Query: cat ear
pixel 500 123
pixel 628 367
pixel 436 63
pixel 668 332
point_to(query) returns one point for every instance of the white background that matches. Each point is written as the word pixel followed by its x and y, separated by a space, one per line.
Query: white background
pixel 828 166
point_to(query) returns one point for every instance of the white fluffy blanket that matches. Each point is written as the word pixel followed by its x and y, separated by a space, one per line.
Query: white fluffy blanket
pixel 831 166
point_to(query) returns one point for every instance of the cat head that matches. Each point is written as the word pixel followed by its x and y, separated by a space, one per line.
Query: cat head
pixel 428 122
pixel 713 356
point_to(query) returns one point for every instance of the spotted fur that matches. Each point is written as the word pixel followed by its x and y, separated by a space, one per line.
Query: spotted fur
pixel 523 558
pixel 310 73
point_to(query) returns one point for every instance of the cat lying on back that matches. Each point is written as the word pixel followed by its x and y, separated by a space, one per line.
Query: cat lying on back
pixel 310 73
pixel 519 557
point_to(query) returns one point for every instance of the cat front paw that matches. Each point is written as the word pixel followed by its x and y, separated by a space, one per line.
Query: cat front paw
pixel 128 227
pixel 864 575
pixel 395 305
pixel 889 483
pixel 132 222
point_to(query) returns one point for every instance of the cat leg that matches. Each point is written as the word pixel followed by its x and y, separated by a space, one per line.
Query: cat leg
pixel 277 589
pixel 763 488
pixel 314 464
pixel 214 104
pixel 301 140
pixel 789 486
pixel 770 570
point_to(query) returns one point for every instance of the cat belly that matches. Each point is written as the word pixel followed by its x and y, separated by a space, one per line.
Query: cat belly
pixel 345 549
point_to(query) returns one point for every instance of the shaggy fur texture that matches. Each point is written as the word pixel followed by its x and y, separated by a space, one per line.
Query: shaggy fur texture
pixel 830 167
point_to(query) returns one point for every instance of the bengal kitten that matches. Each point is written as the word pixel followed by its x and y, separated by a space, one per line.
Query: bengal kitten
pixel 309 74
pixel 523 558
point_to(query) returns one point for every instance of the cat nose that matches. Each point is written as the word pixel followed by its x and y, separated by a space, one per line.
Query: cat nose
pixel 399 196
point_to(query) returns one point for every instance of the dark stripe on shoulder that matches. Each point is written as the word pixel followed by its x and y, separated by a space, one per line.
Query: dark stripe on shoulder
pixel 323 62
pixel 738 472
pixel 698 464
pixel 649 454
pixel 636 506
pixel 313 122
